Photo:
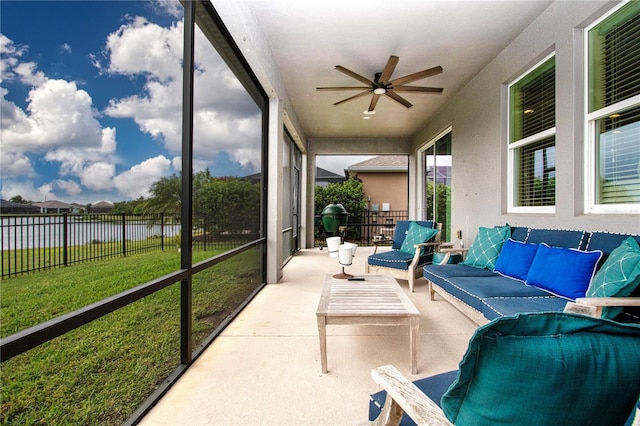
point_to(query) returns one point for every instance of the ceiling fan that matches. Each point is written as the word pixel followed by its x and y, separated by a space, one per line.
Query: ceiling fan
pixel 383 85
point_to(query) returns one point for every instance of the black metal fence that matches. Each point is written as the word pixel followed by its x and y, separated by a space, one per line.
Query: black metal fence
pixel 365 229
pixel 35 242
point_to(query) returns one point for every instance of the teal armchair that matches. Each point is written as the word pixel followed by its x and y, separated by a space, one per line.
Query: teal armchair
pixel 552 368
pixel 413 245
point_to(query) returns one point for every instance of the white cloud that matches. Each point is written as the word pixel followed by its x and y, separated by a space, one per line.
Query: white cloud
pixel 171 7
pixel 98 176
pixel 58 115
pixel 70 187
pixel 136 181
pixel 140 47
pixel 26 190
pixel 176 162
pixel 15 164
pixel 59 123
pixel 9 55
pixel 225 118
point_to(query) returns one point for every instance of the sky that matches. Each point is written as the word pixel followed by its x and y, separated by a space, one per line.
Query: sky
pixel 91 101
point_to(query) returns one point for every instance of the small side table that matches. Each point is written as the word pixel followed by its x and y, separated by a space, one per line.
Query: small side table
pixel 449 251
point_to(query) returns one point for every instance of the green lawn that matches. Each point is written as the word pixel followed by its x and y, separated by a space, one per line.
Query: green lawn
pixel 100 373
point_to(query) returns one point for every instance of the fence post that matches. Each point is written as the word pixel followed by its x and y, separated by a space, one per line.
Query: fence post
pixel 204 229
pixel 124 235
pixel 162 231
pixel 65 232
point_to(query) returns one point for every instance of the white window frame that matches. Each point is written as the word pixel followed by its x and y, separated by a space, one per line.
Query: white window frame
pixel 513 146
pixel 421 172
pixel 590 131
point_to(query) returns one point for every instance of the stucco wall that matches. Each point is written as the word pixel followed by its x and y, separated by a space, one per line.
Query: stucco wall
pixel 477 115
pixel 392 188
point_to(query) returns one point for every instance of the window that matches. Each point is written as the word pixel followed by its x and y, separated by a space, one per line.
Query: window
pixel 532 140
pixel 437 167
pixel 613 115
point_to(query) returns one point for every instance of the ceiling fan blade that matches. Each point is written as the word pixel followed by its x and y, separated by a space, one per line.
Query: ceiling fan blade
pixel 342 88
pixel 393 95
pixel 352 97
pixel 354 75
pixel 418 89
pixel 374 101
pixel 416 76
pixel 388 69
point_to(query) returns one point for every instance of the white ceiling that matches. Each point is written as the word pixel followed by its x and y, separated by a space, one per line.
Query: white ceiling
pixel 308 38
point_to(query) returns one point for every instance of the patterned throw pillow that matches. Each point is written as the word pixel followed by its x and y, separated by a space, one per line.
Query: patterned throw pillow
pixel 416 235
pixel 619 275
pixel 485 249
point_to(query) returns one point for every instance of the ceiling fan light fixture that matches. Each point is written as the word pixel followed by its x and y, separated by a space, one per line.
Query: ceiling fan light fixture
pixel 383 84
pixel 367 112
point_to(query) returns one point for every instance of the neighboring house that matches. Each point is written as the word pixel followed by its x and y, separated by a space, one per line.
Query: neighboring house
pixel 439 174
pixel 9 207
pixel 325 177
pixel 101 207
pixel 78 208
pixel 54 206
pixel 385 181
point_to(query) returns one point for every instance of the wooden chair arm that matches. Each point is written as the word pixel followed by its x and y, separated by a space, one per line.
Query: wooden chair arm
pixel 593 305
pixel 405 397
pixel 609 301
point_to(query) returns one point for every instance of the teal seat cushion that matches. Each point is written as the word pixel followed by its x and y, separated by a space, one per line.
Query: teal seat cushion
pixel 391 259
pixel 416 234
pixel 547 369
pixel 619 275
pixel 486 247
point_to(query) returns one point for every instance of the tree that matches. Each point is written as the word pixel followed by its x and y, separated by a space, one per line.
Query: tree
pixel 442 200
pixel 229 205
pixel 165 196
pixel 18 199
pixel 348 193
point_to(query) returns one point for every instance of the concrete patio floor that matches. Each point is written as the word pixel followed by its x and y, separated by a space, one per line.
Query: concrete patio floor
pixel 264 369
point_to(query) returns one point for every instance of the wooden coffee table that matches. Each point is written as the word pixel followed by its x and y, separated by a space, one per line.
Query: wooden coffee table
pixel 378 300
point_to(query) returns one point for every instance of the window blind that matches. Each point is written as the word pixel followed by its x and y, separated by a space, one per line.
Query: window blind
pixel 614 76
pixel 615 58
pixel 533 100
pixel 618 148
pixel 537 174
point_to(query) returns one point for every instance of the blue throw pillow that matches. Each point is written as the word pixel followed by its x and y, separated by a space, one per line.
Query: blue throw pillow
pixel 515 259
pixel 619 275
pixel 416 234
pixel 563 272
pixel 485 249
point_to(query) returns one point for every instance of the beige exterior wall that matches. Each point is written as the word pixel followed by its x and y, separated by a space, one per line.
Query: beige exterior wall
pixel 386 187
